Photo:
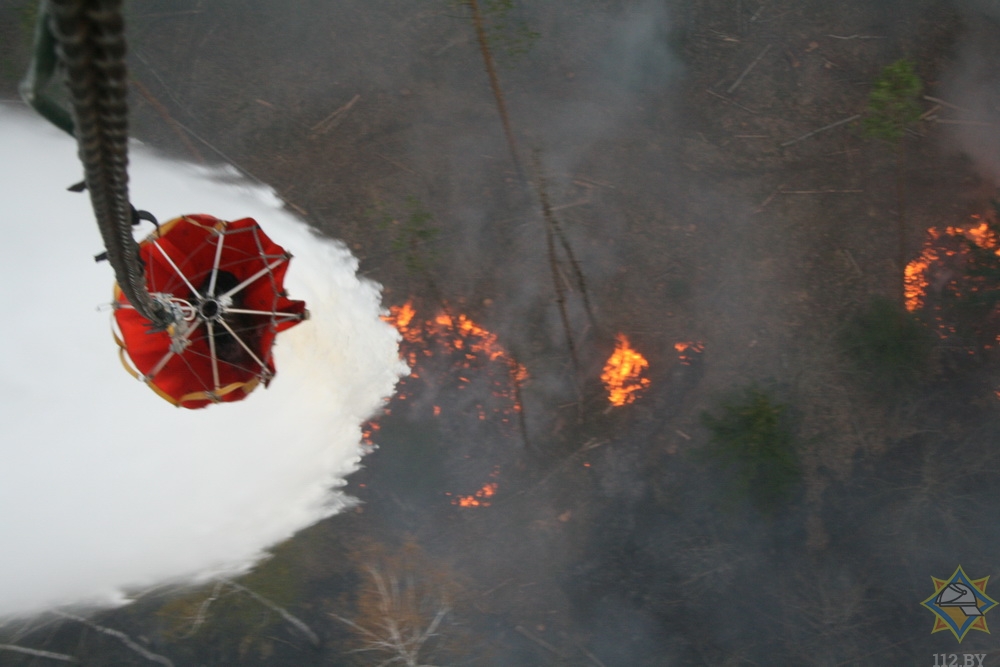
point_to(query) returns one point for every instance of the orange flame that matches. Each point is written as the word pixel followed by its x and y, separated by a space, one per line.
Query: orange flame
pixel 939 246
pixel 622 375
pixel 951 267
pixel 981 235
pixel 468 345
pixel 687 351
pixel 457 332
pixel 480 498
pixel 368 430
pixel 915 276
pixel 474 354
pixel 401 316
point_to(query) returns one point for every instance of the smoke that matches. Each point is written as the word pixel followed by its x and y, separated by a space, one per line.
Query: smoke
pixel 104 486
pixel 623 60
pixel 974 87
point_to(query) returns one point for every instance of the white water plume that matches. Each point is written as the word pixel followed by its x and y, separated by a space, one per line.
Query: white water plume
pixel 105 487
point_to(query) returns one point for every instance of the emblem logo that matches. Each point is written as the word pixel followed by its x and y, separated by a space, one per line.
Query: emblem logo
pixel 959 604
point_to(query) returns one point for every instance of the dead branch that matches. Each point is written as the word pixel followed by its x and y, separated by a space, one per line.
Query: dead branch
pixel 553 222
pixel 514 368
pixel 574 204
pixel 335 118
pixel 541 642
pixel 395 644
pixel 581 282
pixel 37 653
pixel 590 656
pixel 560 296
pixel 850 258
pixel 857 37
pixel 182 12
pixel 943 103
pixel 294 621
pixel 822 129
pixel 583 180
pixel 976 123
pixel 295 207
pixel 555 469
pixel 395 633
pixel 491 72
pixel 557 280
pixel 395 163
pixel 729 101
pixel 930 112
pixel 497 587
pixel 770 197
pixel 724 37
pixel 120 636
pixel 203 608
pixel 753 64
pixel 815 192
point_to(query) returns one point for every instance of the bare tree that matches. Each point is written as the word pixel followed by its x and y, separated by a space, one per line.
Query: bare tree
pixel 49 655
pixel 292 620
pixel 120 636
pixel 399 633
pixel 227 587
pixel 401 607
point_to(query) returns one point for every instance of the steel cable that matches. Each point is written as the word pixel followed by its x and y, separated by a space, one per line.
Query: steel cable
pixel 90 40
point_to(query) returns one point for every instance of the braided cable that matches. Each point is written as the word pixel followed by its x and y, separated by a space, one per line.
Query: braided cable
pixel 91 44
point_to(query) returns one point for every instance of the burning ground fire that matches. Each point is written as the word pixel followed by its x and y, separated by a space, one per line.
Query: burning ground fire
pixel 467 345
pixel 953 284
pixel 943 259
pixel 480 498
pixel 452 345
pixel 450 348
pixel 687 352
pixel 624 372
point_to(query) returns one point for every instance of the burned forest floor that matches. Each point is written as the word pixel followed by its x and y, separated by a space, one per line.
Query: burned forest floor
pixel 692 174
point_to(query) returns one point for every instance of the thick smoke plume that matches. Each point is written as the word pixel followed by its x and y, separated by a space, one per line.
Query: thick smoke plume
pixel 104 486
pixel 974 88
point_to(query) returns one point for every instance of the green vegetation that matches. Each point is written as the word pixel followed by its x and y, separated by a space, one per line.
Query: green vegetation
pixel 235 615
pixel 410 232
pixel 505 29
pixel 889 346
pixel 507 33
pixel 893 106
pixel 893 103
pixel 753 439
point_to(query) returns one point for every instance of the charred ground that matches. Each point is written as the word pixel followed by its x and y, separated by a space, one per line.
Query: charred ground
pixel 665 133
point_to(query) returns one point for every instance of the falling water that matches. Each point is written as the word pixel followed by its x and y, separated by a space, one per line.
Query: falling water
pixel 106 488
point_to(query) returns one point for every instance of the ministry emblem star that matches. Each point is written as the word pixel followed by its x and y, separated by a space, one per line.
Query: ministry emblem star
pixel 959 604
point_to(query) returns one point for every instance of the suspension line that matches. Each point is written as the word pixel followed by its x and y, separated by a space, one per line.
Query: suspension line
pixel 90 42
